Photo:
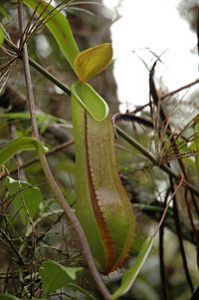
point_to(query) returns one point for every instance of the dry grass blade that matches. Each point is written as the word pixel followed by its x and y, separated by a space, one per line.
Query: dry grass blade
pixel 188 125
pixel 33 22
pixel 86 11
pixel 168 154
pixel 88 2
pixel 5 70
pixel 28 26
pixel 169 146
pixel 34 25
pixel 8 52
pixel 168 204
pixel 7 62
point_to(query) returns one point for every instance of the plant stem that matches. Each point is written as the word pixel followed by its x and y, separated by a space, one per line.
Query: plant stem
pixel 52 78
pixel 163 273
pixel 52 183
pixel 30 95
pixel 39 68
pixel 77 227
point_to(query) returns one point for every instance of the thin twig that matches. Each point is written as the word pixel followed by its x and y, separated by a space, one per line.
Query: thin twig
pixel 163 118
pixel 30 95
pixel 52 183
pixel 167 206
pixel 12 245
pixel 193 226
pixel 187 86
pixel 77 227
pixel 163 273
pixel 179 234
pixel 154 160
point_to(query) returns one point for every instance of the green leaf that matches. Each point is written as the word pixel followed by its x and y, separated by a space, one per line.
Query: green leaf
pixel 18 145
pixel 55 276
pixel 26 198
pixel 8 297
pixel 1 36
pixel 131 274
pixel 15 115
pixel 43 120
pixel 93 61
pixel 41 117
pixel 90 100
pixel 58 26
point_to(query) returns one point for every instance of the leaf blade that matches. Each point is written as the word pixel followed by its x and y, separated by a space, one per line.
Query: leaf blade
pixel 18 145
pixel 55 276
pixel 131 274
pixel 93 61
pixel 26 198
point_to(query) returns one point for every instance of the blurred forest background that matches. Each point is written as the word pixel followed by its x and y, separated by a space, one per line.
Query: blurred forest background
pixel 47 235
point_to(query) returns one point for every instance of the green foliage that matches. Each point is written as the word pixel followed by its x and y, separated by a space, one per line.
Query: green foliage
pixel 115 234
pixel 45 237
pixel 18 145
pixel 131 274
pixel 26 198
pixel 97 58
pixel 93 61
pixel 58 26
pixel 43 120
pixel 55 276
